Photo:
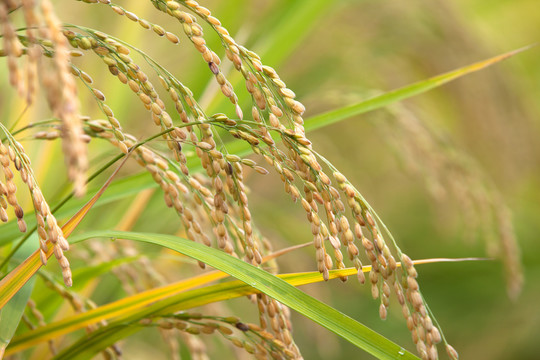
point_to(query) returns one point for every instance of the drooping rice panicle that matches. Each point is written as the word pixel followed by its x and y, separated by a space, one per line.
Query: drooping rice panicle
pixel 47 226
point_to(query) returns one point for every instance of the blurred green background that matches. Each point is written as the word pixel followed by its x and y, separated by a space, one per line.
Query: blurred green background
pixel 334 53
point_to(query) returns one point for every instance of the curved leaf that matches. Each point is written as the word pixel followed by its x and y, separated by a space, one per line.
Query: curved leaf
pixel 11 314
pixel 152 301
pixel 330 318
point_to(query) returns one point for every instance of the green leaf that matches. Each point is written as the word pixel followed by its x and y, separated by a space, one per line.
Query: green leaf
pixel 11 313
pixel 136 307
pixel 125 313
pixel 402 93
pixel 133 307
pixel 330 318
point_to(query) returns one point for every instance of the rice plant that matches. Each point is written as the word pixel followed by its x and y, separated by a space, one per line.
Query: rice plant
pixel 198 146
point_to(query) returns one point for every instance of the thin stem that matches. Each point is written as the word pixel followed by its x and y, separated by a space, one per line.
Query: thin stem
pixel 19 117
pixel 32 125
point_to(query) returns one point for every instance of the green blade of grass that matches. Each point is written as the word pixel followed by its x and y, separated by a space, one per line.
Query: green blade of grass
pixel 132 304
pixel 402 93
pixel 162 301
pixel 166 300
pixel 126 325
pixel 335 321
pixel 121 309
pixel 172 298
pixel 11 313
